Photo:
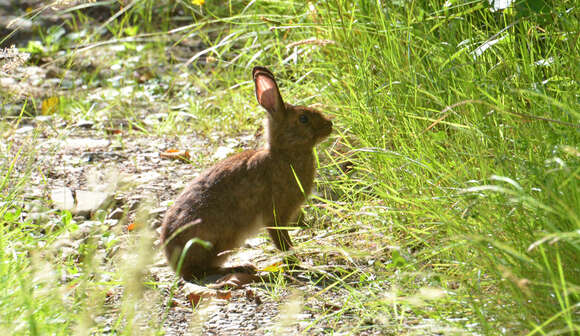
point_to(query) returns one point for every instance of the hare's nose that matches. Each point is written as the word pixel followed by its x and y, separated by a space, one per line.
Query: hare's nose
pixel 328 126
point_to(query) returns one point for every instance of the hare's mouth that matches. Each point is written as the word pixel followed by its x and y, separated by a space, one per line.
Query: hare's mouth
pixel 328 128
pixel 325 130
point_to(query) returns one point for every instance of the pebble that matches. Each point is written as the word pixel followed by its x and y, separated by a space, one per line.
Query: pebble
pixel 62 198
pixel 90 201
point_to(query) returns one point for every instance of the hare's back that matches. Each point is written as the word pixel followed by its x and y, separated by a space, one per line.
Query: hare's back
pixel 233 192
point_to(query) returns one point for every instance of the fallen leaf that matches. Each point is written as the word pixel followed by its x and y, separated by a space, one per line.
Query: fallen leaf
pixel 113 131
pixel 275 267
pixel 195 293
pixel 223 295
pixel 252 296
pixel 49 105
pixel 194 298
pixel 331 306
pixel 131 226
pixel 175 154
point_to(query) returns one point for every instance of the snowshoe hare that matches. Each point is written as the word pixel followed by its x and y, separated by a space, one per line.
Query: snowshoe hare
pixel 232 200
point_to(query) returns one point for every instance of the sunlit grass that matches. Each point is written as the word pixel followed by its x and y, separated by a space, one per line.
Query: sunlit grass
pixel 445 123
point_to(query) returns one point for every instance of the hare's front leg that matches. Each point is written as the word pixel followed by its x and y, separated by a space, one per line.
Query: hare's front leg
pixel 281 239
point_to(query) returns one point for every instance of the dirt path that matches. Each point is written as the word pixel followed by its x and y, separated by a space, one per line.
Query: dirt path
pixel 79 157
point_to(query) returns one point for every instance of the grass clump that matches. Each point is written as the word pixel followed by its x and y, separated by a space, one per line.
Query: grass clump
pixel 464 121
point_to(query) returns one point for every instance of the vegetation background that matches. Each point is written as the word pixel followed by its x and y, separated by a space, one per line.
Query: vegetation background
pixel 448 196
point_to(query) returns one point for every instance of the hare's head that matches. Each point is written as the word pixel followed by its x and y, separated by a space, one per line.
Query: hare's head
pixel 289 127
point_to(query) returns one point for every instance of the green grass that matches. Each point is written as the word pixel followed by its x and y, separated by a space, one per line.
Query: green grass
pixel 459 127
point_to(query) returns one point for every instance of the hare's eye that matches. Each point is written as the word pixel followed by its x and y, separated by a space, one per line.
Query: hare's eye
pixel 303 118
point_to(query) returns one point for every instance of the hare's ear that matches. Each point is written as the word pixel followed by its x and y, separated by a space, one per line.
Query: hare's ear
pixel 267 91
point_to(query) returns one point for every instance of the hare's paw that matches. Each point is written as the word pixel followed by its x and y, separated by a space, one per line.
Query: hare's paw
pixel 245 268
pixel 235 280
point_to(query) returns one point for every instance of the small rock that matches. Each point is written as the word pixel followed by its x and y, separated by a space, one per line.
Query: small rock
pixel 24 129
pixel 62 198
pixel 7 82
pixel 134 204
pixel 84 124
pixel 111 222
pixel 19 23
pixel 157 211
pixel 147 177
pixel 155 223
pixel 155 119
pixel 255 242
pixel 43 118
pixel 90 201
pixel 117 214
pixel 222 152
pixel 85 229
pixel 39 218
pixel 85 143
pixel 67 252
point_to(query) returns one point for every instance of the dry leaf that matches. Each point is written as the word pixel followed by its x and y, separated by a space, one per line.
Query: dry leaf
pixel 194 298
pixel 175 154
pixel 250 295
pixel 223 295
pixel 113 131
pixel 275 267
pixel 49 105
pixel 195 293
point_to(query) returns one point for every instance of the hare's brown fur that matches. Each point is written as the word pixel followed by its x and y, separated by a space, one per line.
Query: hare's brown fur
pixel 248 191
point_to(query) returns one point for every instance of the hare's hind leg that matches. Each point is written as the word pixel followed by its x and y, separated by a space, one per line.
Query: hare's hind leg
pixel 197 263
pixel 200 264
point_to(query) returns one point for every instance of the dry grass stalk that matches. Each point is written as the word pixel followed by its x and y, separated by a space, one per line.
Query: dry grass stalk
pixel 311 41
pixel 11 58
pixel 64 4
